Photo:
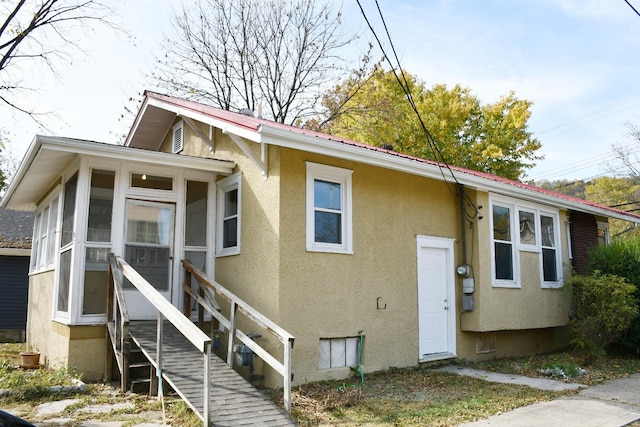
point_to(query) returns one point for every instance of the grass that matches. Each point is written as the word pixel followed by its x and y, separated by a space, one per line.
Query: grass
pixel 31 383
pixel 398 397
pixel 565 366
pixel 30 388
pixel 408 397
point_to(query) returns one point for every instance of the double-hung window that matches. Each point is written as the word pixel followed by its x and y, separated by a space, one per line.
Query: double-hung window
pixel 504 254
pixel 229 214
pixel 549 249
pixel 44 236
pixel 328 209
pixel 516 228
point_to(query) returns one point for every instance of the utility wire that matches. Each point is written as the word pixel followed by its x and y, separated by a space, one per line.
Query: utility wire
pixel 631 6
pixel 404 85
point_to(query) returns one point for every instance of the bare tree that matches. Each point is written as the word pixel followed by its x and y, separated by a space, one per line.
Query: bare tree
pixel 277 55
pixel 627 157
pixel 42 33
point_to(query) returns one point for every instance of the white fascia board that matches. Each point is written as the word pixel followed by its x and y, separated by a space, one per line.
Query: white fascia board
pixel 156 157
pixel 136 123
pixel 318 145
pixel 25 165
pixel 205 118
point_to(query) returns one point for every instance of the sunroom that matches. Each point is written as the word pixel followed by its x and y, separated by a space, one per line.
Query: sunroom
pixel 152 209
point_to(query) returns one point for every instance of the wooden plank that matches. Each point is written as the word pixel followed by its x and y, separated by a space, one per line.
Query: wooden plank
pixel 234 401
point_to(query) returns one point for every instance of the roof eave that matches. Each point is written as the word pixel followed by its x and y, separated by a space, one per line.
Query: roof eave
pixel 42 144
pixel 275 136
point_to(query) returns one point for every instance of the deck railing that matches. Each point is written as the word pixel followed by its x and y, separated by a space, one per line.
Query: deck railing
pixel 118 322
pixel 205 296
pixel 119 268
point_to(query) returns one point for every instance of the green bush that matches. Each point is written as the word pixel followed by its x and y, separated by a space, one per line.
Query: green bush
pixel 603 308
pixel 622 258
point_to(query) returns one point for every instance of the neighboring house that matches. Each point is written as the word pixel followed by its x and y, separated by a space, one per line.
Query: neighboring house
pixel 355 250
pixel 16 230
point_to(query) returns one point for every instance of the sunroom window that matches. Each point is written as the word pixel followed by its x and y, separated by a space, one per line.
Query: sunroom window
pixel 195 233
pixel 44 235
pixel 66 244
pixel 98 242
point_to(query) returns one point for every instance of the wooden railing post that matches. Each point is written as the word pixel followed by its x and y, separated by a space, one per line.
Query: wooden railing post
pixel 232 332
pixel 287 375
pixel 186 307
pixel 125 350
pixel 214 290
pixel 159 339
pixel 206 415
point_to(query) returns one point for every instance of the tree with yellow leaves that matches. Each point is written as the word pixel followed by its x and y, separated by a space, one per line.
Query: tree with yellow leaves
pixel 374 109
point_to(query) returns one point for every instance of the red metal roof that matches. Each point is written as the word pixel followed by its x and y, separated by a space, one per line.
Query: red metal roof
pixel 254 124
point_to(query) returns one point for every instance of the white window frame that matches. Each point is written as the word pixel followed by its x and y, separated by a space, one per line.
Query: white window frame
pixel 177 145
pixel 515 238
pixel 556 229
pixel 46 224
pixel 604 227
pixel 230 183
pixel 516 207
pixel 340 176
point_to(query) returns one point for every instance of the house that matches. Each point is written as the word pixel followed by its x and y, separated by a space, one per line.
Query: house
pixel 367 256
pixel 16 229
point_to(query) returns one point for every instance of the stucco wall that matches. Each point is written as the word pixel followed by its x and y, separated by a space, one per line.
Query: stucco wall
pixel 527 307
pixel 322 295
pixel 328 295
pixel 53 348
pixel 253 274
pixel 77 347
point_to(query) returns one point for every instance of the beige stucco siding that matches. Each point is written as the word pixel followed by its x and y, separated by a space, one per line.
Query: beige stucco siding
pixel 40 337
pixel 253 274
pixel 528 307
pixel 77 347
pixel 325 295
pixel 317 295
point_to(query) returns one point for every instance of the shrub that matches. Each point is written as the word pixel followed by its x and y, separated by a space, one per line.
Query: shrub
pixel 603 308
pixel 622 258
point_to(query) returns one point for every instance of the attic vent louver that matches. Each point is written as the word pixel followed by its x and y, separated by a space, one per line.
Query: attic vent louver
pixel 247 112
pixel 178 137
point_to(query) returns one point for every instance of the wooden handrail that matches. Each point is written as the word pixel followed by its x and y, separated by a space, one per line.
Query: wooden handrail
pixel 119 268
pixel 198 338
pixel 236 303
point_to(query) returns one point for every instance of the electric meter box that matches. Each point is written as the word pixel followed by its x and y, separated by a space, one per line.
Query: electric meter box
pixel 468 285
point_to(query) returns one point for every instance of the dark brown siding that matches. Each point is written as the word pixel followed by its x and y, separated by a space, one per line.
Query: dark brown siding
pixel 584 236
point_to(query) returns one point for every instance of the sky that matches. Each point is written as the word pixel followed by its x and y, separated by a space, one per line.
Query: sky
pixel 576 60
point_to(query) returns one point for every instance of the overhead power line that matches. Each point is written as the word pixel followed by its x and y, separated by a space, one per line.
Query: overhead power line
pixel 404 85
pixel 633 8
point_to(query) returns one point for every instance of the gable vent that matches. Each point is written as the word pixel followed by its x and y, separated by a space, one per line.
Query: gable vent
pixel 178 137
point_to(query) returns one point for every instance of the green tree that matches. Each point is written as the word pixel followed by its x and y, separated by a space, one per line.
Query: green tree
pixel 571 187
pixel 620 193
pixel 492 138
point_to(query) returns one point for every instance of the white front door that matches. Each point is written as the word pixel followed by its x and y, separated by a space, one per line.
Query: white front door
pixel 436 298
pixel 148 247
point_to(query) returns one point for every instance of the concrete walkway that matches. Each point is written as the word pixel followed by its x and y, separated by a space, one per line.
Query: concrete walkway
pixel 614 403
